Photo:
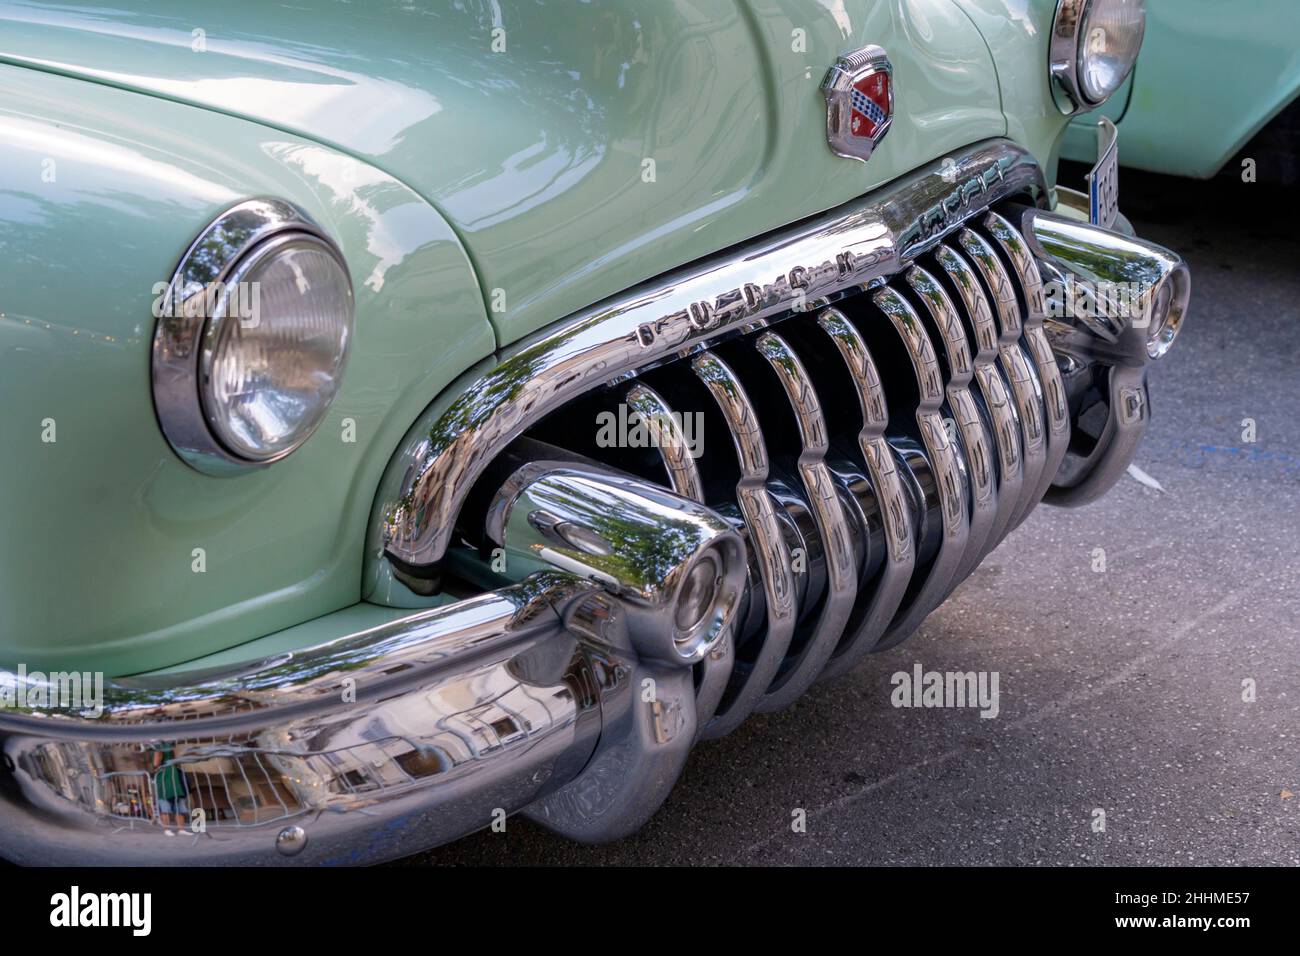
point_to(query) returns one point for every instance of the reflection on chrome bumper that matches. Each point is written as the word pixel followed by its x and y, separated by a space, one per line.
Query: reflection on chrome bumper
pixel 397 738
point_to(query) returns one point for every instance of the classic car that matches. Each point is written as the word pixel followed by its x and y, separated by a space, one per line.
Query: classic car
pixel 1213 82
pixel 418 413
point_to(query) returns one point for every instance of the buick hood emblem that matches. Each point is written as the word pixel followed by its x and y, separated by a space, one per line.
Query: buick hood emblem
pixel 859 91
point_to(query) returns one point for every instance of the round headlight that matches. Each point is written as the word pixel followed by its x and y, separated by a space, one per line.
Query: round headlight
pixel 252 336
pixel 1093 47
pixel 273 351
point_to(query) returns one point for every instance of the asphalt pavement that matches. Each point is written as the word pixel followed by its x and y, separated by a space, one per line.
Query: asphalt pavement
pixel 1162 691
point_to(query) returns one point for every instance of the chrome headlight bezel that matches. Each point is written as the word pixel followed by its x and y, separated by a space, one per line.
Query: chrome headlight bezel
pixel 1066 52
pixel 187 325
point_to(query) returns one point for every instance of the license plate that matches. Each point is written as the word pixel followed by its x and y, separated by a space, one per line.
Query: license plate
pixel 1103 179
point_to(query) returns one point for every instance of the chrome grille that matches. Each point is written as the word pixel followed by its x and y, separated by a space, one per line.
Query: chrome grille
pixel 872 451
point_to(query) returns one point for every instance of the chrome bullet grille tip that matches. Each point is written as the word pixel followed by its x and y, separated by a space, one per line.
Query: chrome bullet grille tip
pixel 676 568
pixel 1125 298
pixel 1169 310
pixel 706 601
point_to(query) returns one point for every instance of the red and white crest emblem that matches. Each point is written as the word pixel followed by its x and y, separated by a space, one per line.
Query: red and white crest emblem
pixel 871 104
pixel 859 92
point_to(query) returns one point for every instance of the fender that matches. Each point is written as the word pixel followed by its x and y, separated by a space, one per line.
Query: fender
pixel 117 556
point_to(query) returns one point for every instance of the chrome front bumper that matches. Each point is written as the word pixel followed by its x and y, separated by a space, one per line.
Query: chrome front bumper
pixel 400 737
pixel 570 695
pixel 418 731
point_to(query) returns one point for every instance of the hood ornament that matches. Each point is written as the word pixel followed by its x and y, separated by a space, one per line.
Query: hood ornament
pixel 859 92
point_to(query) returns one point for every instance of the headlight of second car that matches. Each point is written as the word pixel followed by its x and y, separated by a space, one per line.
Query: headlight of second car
pixel 1094 45
pixel 252 336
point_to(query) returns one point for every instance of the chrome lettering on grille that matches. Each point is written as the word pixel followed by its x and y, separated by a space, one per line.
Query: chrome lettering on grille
pixel 947 212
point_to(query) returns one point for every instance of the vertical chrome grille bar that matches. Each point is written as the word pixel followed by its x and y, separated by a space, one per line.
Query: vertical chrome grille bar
pixel 828 515
pixel 770 551
pixel 997 397
pixel 975 438
pixel 943 455
pixel 666 433
pixel 1026 389
pixel 1031 285
pixel 684 477
pixel 900 552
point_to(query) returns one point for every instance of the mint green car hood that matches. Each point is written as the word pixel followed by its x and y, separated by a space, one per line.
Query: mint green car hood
pixel 576 148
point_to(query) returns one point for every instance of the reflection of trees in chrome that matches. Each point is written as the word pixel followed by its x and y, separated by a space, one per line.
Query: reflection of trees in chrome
pixel 474 418
pixel 399 651
pixel 642 547
pixel 1097 262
